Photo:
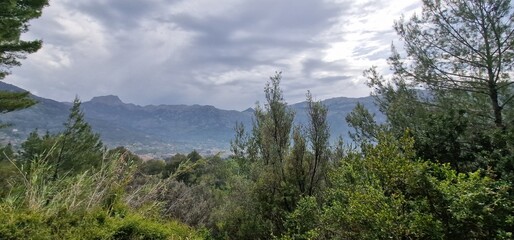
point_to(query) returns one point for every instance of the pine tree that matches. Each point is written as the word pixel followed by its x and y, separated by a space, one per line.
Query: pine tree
pixel 12 101
pixel 461 54
pixel 464 46
pixel 79 148
pixel 14 18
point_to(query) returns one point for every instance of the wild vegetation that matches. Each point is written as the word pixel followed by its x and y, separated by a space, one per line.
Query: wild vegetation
pixel 440 167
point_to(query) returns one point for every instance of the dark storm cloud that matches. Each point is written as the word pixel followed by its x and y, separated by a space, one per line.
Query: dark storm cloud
pixel 207 52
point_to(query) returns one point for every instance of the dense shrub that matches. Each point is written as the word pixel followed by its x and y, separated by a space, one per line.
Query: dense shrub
pixel 100 204
pixel 97 224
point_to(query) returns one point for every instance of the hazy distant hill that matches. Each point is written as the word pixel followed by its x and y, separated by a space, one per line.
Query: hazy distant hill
pixel 181 126
pixel 161 129
pixel 338 108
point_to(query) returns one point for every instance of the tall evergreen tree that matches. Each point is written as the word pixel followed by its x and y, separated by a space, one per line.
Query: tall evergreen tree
pixel 14 20
pixel 464 46
pixel 38 146
pixel 79 148
pixel 461 53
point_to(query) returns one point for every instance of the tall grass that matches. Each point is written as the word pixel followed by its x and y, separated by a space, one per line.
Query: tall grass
pixel 109 202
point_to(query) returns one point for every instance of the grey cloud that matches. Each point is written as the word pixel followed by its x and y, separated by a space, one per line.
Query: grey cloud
pixel 282 24
pixel 116 14
pixel 270 29
pixel 269 18
pixel 154 55
pixel 334 79
pixel 312 65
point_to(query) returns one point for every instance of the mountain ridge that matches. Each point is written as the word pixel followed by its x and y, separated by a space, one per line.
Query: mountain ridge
pixel 159 129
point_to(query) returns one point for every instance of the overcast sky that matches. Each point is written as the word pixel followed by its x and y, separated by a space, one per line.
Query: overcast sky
pixel 209 52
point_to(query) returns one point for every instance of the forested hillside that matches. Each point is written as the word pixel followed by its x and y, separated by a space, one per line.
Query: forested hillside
pixel 439 166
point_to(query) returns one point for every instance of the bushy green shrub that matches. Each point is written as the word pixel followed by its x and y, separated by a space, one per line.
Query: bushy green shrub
pixel 92 205
pixel 97 224
pixel 386 193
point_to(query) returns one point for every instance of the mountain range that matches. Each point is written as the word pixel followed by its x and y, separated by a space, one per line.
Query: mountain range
pixel 159 130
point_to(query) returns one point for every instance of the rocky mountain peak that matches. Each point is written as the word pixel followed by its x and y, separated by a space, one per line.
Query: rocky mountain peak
pixel 108 100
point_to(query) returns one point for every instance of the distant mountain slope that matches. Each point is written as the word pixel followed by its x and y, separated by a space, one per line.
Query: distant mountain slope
pixel 162 129
pixel 338 108
pixel 46 115
pixel 201 126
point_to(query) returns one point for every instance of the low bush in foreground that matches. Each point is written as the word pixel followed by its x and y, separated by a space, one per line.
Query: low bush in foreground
pixel 100 203
pixel 98 224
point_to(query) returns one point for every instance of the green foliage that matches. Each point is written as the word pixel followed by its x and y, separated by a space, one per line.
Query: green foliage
pixel 298 165
pixel 14 18
pixel 273 125
pixel 271 174
pixel 195 189
pixel 79 148
pixel 36 146
pixel 452 89
pixel 386 193
pixel 6 152
pixel 152 167
pixel 464 46
pixel 96 224
pixel 366 195
pixel 75 150
pixel 188 171
pixel 12 101
pixel 236 215
pixel 180 166
pixel 318 134
pixel 137 227
pixel 271 133
pixel 302 222
pixel 441 167
pixel 91 205
pixel 441 124
pixel 8 177
pixel 478 207
pixel 173 163
pixel 194 156
pixel 124 153
pixel 364 124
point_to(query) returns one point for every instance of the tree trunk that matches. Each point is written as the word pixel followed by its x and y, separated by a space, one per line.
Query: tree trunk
pixel 497 109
